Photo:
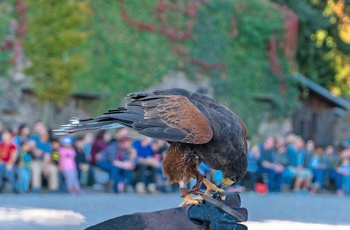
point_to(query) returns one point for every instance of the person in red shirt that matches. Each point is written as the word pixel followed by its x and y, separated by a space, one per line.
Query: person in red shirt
pixel 8 156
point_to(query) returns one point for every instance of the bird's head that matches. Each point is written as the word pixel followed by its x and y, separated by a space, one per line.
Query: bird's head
pixel 235 168
pixel 231 177
pixel 228 181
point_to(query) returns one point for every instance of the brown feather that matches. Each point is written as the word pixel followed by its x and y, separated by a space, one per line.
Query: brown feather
pixel 179 113
pixel 180 164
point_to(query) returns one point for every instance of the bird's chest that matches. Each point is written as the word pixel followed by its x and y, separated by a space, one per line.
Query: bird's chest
pixel 217 155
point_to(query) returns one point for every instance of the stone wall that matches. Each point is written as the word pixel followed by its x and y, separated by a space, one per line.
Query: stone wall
pixel 275 128
pixel 26 109
pixel 342 129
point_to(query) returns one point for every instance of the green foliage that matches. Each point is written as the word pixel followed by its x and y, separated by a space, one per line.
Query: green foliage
pixel 322 55
pixel 54 33
pixel 247 76
pixel 123 59
pixel 6 16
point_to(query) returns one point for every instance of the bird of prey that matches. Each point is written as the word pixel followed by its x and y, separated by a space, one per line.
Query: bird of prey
pixel 197 128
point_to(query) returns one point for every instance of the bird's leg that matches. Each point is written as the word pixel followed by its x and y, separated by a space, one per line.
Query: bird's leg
pixel 187 198
pixel 211 187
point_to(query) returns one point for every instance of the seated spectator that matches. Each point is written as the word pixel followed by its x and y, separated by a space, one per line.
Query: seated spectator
pixel 269 166
pixel 55 161
pixel 87 144
pixel 99 144
pixel 318 167
pixel 146 166
pixel 250 178
pixel 159 147
pixel 23 170
pixel 289 138
pixel 42 164
pixel 298 166
pixel 118 159
pixel 280 159
pixel 344 170
pixel 38 128
pixel 68 166
pixel 8 157
pixel 23 136
pixel 84 169
pixel 328 155
pixel 334 174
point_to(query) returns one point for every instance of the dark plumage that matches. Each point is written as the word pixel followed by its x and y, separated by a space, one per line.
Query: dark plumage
pixel 197 128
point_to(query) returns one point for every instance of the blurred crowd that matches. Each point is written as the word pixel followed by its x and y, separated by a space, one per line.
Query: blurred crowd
pixel 32 159
pixel 291 164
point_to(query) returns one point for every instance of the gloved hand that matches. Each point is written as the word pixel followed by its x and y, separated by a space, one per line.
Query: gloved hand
pixel 196 217
pixel 214 218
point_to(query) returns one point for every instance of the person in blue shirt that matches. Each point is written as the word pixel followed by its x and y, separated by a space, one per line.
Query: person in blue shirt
pixel 344 169
pixel 146 166
pixel 268 165
pixel 23 168
pixel 251 175
pixel 299 165
pixel 318 167
pixel 118 159
pixel 42 163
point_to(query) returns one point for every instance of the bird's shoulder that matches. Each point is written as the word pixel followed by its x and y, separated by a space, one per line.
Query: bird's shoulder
pixel 215 111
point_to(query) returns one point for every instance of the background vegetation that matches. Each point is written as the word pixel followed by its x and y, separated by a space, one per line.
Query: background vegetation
pixel 243 47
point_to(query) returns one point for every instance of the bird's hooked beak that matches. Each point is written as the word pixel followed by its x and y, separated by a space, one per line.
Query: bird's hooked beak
pixel 228 182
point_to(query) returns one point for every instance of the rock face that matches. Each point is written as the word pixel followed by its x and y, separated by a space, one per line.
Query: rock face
pixel 179 80
pixel 18 104
pixel 10 98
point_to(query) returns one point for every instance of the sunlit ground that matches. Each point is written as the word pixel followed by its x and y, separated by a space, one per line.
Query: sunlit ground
pixel 52 217
pixel 41 216
pixel 289 225
pixel 272 211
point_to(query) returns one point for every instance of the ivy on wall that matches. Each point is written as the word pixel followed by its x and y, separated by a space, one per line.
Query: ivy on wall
pixel 134 44
pixel 246 82
pixel 123 58
pixel 55 31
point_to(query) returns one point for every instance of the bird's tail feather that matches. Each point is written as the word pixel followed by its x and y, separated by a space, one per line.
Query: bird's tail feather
pixel 78 125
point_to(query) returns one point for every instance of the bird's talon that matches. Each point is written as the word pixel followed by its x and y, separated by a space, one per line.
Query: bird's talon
pixel 191 201
pixel 223 197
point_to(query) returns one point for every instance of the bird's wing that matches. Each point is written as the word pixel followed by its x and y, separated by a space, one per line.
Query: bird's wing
pixel 172 118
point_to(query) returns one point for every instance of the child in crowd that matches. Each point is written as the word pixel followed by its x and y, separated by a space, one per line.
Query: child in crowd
pixel 24 159
pixel 82 162
pixel 55 161
pixel 344 169
pixel 68 166
pixel 8 157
